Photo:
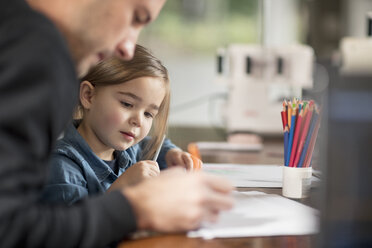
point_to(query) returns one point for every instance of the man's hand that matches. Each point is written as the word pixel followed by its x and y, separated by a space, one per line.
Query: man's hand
pixel 136 173
pixel 178 201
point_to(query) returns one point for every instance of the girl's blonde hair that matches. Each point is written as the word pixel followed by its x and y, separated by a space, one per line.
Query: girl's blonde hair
pixel 116 71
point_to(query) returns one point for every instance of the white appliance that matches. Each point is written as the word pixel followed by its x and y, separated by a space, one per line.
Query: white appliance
pixel 259 78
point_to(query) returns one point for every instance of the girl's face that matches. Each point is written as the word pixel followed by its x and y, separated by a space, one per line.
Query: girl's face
pixel 121 115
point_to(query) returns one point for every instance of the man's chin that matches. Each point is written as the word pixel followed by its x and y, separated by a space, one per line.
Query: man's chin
pixel 82 72
pixel 84 67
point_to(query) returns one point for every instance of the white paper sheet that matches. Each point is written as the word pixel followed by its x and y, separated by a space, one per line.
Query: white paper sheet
pixel 244 175
pixel 259 214
pixel 226 146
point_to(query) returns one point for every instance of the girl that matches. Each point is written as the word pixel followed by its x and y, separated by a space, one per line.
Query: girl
pixel 120 103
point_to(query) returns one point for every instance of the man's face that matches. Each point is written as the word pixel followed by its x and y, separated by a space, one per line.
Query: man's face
pixel 111 27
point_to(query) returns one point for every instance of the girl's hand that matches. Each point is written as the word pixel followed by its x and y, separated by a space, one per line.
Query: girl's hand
pixel 136 173
pixel 177 157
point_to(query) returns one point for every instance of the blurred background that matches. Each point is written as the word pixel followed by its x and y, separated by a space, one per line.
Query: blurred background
pixel 189 33
pixel 232 62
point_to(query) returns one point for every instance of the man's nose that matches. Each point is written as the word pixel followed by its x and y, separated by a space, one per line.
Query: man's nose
pixel 125 49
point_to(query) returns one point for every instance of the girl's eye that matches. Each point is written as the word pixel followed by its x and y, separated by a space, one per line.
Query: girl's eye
pixel 125 104
pixel 149 115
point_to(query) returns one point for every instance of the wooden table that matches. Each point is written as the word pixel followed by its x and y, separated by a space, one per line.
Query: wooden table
pixel 271 154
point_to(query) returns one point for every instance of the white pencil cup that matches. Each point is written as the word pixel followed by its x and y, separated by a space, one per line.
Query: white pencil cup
pixel 296 182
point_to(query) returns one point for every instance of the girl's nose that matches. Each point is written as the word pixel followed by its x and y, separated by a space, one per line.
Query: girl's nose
pixel 136 119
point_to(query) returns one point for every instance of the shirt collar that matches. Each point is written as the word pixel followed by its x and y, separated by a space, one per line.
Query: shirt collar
pixel 100 168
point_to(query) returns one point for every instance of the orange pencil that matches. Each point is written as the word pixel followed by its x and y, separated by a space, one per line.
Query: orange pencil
pixel 192 148
pixel 297 102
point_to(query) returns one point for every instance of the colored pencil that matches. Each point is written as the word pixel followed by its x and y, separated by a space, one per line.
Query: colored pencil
pixel 296 137
pixel 193 149
pixel 284 115
pixel 301 121
pixel 289 112
pixel 291 133
pixel 307 162
pixel 284 119
pixel 303 134
pixel 308 139
pixel 286 134
pixel 305 107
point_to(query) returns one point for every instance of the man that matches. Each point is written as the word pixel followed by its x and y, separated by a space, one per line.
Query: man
pixel 44 44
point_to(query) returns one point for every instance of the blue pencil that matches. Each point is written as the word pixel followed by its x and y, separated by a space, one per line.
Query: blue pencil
pixel 286 134
pixel 291 132
pixel 308 139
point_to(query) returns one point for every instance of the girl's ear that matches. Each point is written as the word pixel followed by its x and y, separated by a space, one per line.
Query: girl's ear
pixel 86 94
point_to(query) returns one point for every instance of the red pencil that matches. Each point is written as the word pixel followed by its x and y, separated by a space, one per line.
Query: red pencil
pixel 284 114
pixel 296 137
pixel 304 133
pixel 284 119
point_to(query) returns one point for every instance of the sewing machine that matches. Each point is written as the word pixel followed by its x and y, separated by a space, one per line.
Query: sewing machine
pixel 258 79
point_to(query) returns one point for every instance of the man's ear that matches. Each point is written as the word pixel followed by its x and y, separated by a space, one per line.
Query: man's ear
pixel 87 91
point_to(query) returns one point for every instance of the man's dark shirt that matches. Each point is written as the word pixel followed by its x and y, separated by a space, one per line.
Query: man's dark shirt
pixel 38 90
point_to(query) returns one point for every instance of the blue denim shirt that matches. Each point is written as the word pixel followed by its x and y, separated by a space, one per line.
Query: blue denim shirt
pixel 75 171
